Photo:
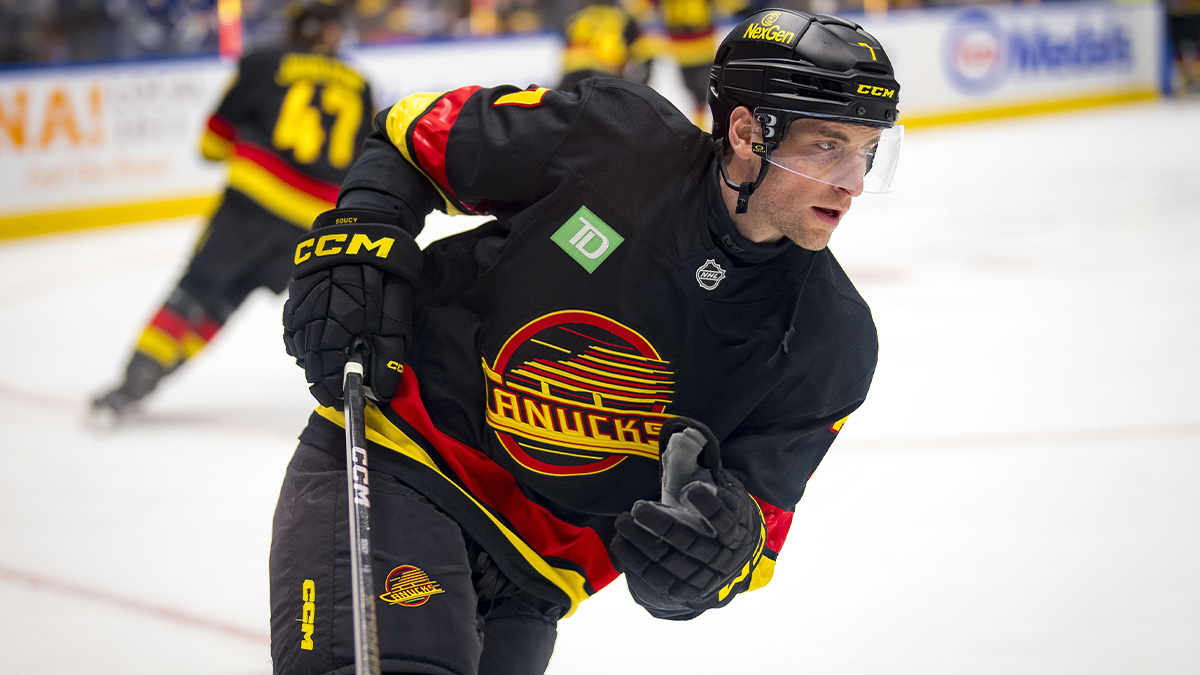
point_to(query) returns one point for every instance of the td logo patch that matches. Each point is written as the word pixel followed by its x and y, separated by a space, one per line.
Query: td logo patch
pixel 587 239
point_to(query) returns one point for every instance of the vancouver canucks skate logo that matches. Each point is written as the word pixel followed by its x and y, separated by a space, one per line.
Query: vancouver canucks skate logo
pixel 409 586
pixel 575 393
pixel 709 274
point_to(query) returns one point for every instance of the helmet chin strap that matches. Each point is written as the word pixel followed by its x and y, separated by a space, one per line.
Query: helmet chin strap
pixel 746 189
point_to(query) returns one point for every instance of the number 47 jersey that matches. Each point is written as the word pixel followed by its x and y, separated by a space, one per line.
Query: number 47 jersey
pixel 290 125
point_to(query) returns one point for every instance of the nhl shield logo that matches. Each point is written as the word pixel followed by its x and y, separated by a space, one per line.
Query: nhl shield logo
pixel 709 274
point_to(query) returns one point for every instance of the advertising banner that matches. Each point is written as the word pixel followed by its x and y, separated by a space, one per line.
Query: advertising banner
pixel 79 137
pixel 984 60
pixel 87 146
pixel 93 146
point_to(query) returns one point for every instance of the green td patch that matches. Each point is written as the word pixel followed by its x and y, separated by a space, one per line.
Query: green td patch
pixel 587 239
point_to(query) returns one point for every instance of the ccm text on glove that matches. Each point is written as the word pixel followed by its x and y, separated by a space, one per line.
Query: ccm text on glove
pixel 351 290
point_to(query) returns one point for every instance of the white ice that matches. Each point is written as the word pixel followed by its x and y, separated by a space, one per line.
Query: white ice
pixel 1019 494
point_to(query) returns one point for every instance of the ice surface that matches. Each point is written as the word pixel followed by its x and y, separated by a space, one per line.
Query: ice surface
pixel 1018 494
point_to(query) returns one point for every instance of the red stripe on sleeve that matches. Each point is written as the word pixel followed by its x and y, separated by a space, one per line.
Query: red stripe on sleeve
pixel 498 489
pixel 778 523
pixel 284 172
pixel 429 134
pixel 221 127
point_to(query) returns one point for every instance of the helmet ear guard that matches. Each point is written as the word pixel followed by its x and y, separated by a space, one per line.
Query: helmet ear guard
pixel 768 126
pixel 747 188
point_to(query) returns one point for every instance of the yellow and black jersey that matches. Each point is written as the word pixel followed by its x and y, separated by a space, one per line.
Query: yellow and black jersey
pixel 610 293
pixel 690 27
pixel 290 125
pixel 603 39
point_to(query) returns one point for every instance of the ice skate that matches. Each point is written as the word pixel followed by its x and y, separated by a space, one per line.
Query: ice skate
pixel 142 376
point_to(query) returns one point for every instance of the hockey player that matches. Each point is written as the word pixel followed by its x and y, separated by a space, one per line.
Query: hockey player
pixel 604 39
pixel 289 127
pixel 634 368
pixel 690 26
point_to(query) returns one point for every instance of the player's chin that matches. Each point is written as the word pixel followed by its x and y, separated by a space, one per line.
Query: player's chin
pixel 812 238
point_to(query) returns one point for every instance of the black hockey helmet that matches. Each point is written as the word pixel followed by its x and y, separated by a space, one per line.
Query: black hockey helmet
pixel 306 17
pixel 785 65
pixel 815 65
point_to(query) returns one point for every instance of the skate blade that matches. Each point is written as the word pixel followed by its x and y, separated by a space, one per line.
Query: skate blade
pixel 104 417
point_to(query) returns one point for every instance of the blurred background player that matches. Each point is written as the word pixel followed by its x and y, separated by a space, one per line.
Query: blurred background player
pixel 692 43
pixel 604 39
pixel 1183 28
pixel 289 126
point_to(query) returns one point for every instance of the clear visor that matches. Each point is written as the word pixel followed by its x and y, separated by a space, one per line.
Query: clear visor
pixel 854 157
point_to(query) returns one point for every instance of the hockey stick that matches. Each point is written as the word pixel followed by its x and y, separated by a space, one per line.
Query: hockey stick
pixel 366 636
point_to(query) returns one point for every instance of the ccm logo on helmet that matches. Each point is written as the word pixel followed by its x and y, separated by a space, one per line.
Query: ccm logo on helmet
pixel 330 245
pixel 771 33
pixel 881 92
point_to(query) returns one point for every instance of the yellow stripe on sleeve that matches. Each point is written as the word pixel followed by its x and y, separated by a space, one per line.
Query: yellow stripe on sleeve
pixel 293 205
pixel 528 98
pixel 214 147
pixel 400 117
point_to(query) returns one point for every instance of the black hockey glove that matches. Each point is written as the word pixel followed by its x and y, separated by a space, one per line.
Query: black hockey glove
pixel 697 547
pixel 352 288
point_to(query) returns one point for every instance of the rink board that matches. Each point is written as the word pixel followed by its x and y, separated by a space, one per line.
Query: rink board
pixel 96 145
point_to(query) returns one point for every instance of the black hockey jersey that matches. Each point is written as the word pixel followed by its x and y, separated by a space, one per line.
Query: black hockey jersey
pixel 611 292
pixel 291 124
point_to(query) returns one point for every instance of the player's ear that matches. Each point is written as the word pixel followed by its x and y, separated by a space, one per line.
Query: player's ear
pixel 741 132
